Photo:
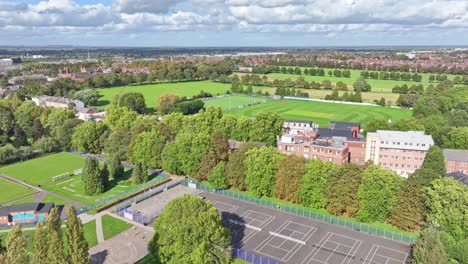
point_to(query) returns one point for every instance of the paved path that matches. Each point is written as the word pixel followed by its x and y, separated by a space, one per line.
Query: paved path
pixel 23 229
pixel 99 232
pixel 40 197
pixel 44 192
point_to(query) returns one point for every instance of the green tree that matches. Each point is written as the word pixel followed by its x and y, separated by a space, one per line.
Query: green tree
pixel 342 194
pixel 77 245
pixel 377 124
pixel 38 131
pixel 20 137
pixel 377 194
pixel 40 243
pixel 7 120
pixel 132 101
pixel 16 247
pixel 56 118
pixel 120 117
pixel 235 168
pixel 116 169
pixel 64 133
pixel 117 144
pixel 25 115
pixel 190 230
pixel 146 148
pixel 207 162
pixel 444 207
pixel 217 176
pixel 361 85
pixel 428 249
pixel 87 96
pixel 139 174
pixel 457 138
pixel 435 161
pixel 104 173
pixel 55 251
pixel 313 188
pixel 91 177
pixel 166 102
pixel 261 168
pixel 409 210
pixel 291 168
pixel 89 137
pixel 266 127
pixel 424 176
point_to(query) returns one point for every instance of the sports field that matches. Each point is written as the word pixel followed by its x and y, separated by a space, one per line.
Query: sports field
pixel 11 191
pixel 41 170
pixel 234 101
pixel 322 112
pixel 152 92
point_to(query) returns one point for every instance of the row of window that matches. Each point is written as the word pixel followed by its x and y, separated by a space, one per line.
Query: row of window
pixel 403 158
pixel 405 143
pixel 397 165
pixel 452 170
pixel 452 163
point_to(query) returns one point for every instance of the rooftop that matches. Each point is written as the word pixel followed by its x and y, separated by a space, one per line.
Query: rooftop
pixel 456 154
pixel 458 176
pixel 403 139
pixel 342 125
pixel 37 207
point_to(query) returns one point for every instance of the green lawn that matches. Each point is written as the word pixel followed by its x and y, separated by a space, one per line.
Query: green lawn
pixel 233 101
pixel 90 233
pixel 322 112
pixel 29 199
pixel 41 170
pixel 53 199
pixel 11 191
pixel 112 226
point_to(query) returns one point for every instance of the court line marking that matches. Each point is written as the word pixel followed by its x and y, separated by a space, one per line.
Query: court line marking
pixel 329 238
pixel 387 257
pixel 246 225
pixel 233 207
pixel 287 238
pixel 255 229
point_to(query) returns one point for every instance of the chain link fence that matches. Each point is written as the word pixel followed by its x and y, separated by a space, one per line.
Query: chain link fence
pixel 326 218
pixel 251 257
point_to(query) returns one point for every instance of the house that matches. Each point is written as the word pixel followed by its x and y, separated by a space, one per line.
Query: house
pixel 456 160
pixel 25 213
pixel 346 126
pixel 86 114
pixel 20 80
pixel 299 126
pixel 60 102
pixel 400 151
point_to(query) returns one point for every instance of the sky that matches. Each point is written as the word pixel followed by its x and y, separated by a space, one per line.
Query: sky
pixel 154 23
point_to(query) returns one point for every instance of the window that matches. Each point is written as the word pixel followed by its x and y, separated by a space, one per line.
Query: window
pixel 306 149
pixel 330 159
pixel 451 163
pixel 330 151
pixel 314 149
pixel 398 143
pixel 381 142
pixel 396 165
pixel 408 166
pixel 423 145
pixel 463 164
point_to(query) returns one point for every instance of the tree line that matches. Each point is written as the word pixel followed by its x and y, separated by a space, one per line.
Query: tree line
pixel 48 242
pixel 396 76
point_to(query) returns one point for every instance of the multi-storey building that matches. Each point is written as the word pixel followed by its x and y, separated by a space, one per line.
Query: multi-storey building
pixel 456 160
pixel 401 151
pixel 299 126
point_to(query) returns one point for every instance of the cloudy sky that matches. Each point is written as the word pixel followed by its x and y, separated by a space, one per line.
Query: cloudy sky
pixel 233 22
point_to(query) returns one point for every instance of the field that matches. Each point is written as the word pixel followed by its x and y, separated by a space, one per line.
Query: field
pixel 52 199
pixel 152 92
pixel 112 226
pixel 10 190
pixel 41 170
pixel 233 101
pixel 321 112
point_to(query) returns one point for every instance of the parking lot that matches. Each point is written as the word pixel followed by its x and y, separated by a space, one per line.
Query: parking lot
pixel 289 238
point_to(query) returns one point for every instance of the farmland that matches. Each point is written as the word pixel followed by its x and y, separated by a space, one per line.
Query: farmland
pixel 41 170
pixel 323 112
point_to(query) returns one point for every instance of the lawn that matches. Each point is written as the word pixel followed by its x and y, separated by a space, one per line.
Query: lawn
pixel 112 226
pixel 90 233
pixel 322 112
pixel 29 199
pixel 233 101
pixel 10 190
pixel 41 170
pixel 53 199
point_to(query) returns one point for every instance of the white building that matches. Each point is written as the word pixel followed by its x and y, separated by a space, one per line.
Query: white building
pixel 53 101
pixel 295 127
pixel 6 62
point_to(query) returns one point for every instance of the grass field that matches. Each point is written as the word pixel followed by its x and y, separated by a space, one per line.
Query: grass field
pixel 55 200
pixel 28 199
pixel 11 191
pixel 41 170
pixel 112 226
pixel 321 112
pixel 233 101
pixel 90 233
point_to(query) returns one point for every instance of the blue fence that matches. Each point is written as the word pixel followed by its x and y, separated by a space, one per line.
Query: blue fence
pixel 252 257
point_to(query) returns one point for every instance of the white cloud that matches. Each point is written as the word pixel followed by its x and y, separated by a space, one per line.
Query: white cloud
pixel 144 6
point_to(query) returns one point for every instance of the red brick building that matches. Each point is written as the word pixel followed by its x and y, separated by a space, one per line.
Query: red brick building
pixel 456 160
pixel 25 213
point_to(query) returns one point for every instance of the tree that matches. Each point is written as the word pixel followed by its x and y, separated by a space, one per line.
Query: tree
pixel 116 169
pixel 220 144
pixel 444 208
pixel 342 194
pixel 377 194
pixel 261 168
pixel 89 137
pixel 166 102
pixel 104 173
pixel 428 249
pixel 87 96
pixel 435 161
pixel 139 174
pixel 457 138
pixel 217 176
pixel 409 210
pixel 77 245
pixel 291 168
pixel 424 176
pixel 20 137
pixel 56 118
pixel 147 148
pixel 235 168
pixel 118 143
pixel 208 161
pixel 16 246
pixel 190 230
pixel 64 133
pixel 361 85
pixel 38 131
pixel 40 243
pixel 313 188
pixel 132 101
pixel 91 177
pixel 7 120
pixel 55 251
pixel 120 117
pixel 25 115
pixel 266 127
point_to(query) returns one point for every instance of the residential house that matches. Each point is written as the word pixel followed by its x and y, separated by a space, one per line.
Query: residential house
pixel 87 114
pixel 456 160
pixel 61 102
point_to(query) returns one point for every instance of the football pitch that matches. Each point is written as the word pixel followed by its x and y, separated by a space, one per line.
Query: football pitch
pixel 323 112
pixel 234 101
